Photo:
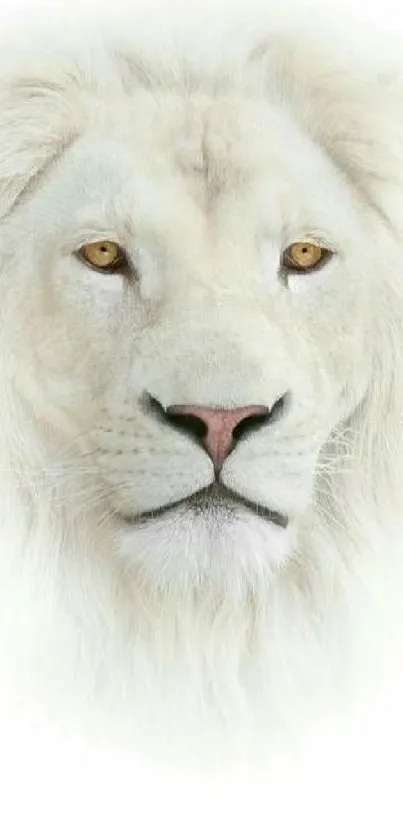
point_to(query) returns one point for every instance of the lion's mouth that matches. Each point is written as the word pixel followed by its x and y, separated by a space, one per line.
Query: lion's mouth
pixel 213 498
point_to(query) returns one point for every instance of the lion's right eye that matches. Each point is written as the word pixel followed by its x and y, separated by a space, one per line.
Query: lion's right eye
pixel 105 256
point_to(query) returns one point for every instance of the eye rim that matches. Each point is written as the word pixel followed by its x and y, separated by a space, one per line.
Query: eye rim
pixel 120 265
pixel 326 254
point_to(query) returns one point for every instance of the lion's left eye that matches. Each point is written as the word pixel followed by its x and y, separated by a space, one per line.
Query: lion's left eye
pixel 104 256
pixel 304 256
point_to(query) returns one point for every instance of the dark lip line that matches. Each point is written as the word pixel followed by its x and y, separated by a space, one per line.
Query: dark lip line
pixel 206 494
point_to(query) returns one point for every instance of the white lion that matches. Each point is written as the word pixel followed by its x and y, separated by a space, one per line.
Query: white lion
pixel 201 367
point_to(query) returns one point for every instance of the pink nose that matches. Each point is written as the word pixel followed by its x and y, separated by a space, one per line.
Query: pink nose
pixel 220 435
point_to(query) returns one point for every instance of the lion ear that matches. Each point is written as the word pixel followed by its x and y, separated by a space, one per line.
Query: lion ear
pixel 349 98
pixel 35 125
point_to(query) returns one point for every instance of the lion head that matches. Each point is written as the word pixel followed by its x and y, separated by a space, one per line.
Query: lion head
pixel 201 335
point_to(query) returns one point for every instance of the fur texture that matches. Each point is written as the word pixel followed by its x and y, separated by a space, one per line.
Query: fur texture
pixel 213 631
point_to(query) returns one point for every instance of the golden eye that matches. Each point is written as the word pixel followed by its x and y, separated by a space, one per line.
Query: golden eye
pixel 303 256
pixel 104 256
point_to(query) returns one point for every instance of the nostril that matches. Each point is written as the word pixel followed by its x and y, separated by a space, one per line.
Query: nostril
pixel 187 422
pixel 249 424
pixel 253 423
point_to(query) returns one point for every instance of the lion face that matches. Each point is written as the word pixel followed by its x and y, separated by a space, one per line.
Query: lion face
pixel 162 274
